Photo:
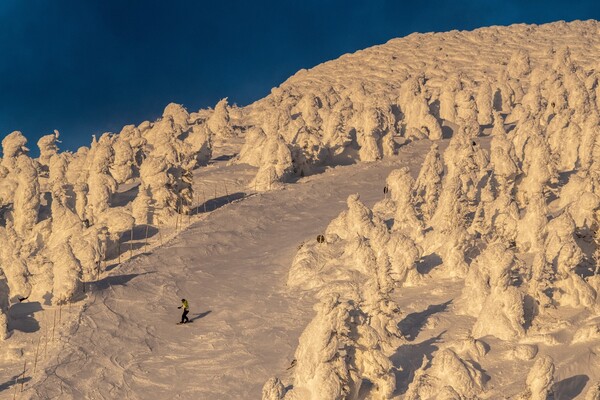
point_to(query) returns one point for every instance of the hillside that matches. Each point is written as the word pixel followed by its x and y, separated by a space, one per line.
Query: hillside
pixel 453 178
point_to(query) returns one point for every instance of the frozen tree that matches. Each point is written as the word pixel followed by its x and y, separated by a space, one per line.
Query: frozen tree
pixel 77 169
pixel 66 272
pixel 307 151
pixel 178 114
pixel 357 220
pixel 539 380
pixel 578 195
pixel 200 142
pixel 466 108
pixel 336 130
pixel 429 182
pixel 504 96
pixel 4 303
pixel 532 228
pixel 589 143
pixel 309 106
pixel 374 123
pixel 161 138
pixel 142 205
pixel 275 164
pixel 48 147
pixel 218 123
pixel 251 151
pixel 484 103
pixel 519 65
pixel 13 145
pixel 383 314
pixel 337 351
pixel 27 196
pixel 371 363
pixel 504 216
pixel 532 103
pixel 133 136
pixel 101 184
pixel 539 169
pixel 14 266
pixel 448 377
pixel 400 185
pixel 564 255
pixel 451 87
pixel 57 170
pixel 273 389
pixel 564 136
pixel 403 255
pixel 67 229
pixel 122 166
pixel 155 183
pixel 81 192
pixel 115 222
pixel 416 111
pixel 503 158
pixel 466 160
pixel 451 238
pixel 593 392
pixel 321 371
pixel 489 295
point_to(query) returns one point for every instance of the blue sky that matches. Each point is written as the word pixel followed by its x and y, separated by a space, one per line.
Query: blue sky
pixel 87 67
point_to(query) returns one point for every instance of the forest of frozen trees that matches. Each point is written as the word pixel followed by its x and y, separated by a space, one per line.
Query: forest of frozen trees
pixel 507 198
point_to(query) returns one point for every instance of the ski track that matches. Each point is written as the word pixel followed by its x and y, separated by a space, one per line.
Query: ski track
pixel 128 345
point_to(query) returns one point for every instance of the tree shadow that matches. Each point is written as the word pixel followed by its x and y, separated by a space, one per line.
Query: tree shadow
pixel 139 233
pixel 570 388
pixel 409 358
pixel 15 380
pixel 121 199
pixel 217 202
pixel 413 323
pixel 21 317
pixel 428 263
pixel 200 315
pixel 116 280
pixel 225 157
pixel 447 132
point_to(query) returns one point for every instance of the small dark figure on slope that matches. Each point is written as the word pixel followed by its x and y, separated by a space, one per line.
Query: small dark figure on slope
pixel 186 310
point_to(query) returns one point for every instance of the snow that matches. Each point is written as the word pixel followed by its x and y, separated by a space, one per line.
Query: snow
pixel 451 265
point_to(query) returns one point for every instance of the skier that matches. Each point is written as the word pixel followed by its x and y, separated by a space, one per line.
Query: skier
pixel 186 310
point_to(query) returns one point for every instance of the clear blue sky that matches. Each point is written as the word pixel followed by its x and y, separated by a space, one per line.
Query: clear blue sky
pixel 86 67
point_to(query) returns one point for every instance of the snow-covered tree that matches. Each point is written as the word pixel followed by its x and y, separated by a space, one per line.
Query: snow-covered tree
pixel 451 87
pixel 401 185
pixel 27 196
pixel 13 145
pixel 321 371
pixel 484 102
pixel 417 115
pixel 539 380
pixel 429 182
pixel 275 164
pixel 48 147
pixel 101 184
pixel 218 123
pixel 490 295
pixel 122 166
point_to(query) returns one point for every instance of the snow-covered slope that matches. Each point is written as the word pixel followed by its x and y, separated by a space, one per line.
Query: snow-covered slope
pixel 473 276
